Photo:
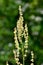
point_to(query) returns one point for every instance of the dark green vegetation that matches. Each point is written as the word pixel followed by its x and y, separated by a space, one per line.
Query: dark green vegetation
pixel 33 16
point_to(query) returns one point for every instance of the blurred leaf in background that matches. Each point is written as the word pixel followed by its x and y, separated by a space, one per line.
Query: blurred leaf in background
pixel 33 16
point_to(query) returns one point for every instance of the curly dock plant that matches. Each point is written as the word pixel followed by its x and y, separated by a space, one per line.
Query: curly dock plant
pixel 21 40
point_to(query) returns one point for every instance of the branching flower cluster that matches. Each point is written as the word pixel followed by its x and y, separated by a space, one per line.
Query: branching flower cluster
pixel 21 41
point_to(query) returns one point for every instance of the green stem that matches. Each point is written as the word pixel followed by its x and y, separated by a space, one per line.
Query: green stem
pixel 23 61
pixel 23 53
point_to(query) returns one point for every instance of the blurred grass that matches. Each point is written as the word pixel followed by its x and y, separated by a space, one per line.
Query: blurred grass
pixel 33 16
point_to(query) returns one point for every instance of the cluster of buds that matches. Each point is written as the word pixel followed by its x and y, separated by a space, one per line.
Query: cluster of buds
pixel 15 38
pixel 16 56
pixel 20 25
pixel 20 31
pixel 26 39
pixel 32 59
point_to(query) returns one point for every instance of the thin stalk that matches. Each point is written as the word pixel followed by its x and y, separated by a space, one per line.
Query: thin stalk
pixel 23 54
pixel 23 61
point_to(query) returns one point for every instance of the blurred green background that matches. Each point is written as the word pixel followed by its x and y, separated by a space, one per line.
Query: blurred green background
pixel 33 16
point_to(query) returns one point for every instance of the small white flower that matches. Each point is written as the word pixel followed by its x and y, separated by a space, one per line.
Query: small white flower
pixel 21 64
pixel 26 51
pixel 32 17
pixel 31 64
pixel 25 55
pixel 38 18
pixel 10 44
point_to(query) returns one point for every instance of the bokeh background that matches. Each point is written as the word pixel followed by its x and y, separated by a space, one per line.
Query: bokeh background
pixel 33 16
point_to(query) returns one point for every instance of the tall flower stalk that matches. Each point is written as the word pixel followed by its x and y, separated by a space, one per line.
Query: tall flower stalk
pixel 21 39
